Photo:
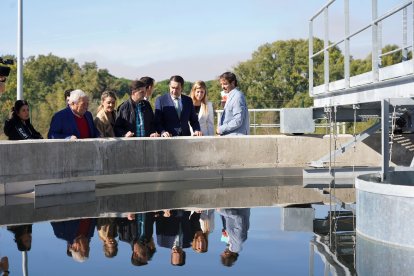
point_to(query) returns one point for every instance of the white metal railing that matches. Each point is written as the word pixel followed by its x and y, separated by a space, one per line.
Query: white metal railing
pixel 375 26
pixel 256 125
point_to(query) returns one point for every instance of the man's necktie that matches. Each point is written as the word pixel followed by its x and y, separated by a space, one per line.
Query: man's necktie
pixel 177 107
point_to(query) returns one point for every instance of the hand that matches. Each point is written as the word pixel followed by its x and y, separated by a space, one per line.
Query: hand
pixel 197 133
pixel 167 213
pixel 129 134
pixel 165 134
pixel 155 134
pixel 131 216
pixel 218 131
pixel 73 137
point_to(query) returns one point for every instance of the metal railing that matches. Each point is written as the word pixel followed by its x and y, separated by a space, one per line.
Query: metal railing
pixel 256 125
pixel 376 28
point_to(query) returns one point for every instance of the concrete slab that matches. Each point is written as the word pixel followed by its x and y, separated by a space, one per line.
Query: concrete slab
pixel 297 219
pixel 64 199
pixel 64 188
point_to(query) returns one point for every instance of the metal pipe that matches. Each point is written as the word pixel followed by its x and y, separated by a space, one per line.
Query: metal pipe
pixel 322 9
pixel 24 263
pixel 254 120
pixel 405 35
pixel 375 68
pixel 326 52
pixel 385 126
pixel 311 58
pixel 311 259
pixel 347 54
pixel 19 95
pixel 394 51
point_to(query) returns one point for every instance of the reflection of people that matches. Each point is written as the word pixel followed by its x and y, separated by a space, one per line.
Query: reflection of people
pixel 77 233
pixel 202 228
pixel 107 233
pixel 75 121
pixel 4 266
pixel 22 236
pixel 203 108
pixel 18 127
pixel 236 223
pixel 137 231
pixel 174 112
pixel 105 119
pixel 135 117
pixel 174 231
pixel 235 117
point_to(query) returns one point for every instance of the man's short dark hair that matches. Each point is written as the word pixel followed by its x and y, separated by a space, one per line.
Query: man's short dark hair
pixel 67 93
pixel 148 81
pixel 230 77
pixel 136 84
pixel 4 71
pixel 178 79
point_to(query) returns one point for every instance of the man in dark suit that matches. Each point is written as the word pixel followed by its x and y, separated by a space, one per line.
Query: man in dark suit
pixel 75 121
pixel 174 111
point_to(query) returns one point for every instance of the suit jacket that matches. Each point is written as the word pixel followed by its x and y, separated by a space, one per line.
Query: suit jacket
pixel 104 124
pixel 206 120
pixel 63 125
pixel 236 222
pixel 68 230
pixel 235 118
pixel 168 228
pixel 166 117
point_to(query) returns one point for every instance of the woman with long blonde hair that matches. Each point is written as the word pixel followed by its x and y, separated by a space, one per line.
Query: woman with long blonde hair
pixel 105 119
pixel 203 108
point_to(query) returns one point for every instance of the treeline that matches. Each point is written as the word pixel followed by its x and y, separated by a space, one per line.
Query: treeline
pixel 275 76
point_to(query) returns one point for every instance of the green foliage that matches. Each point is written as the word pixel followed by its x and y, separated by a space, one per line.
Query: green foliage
pixel 275 76
pixel 46 77
pixel 279 70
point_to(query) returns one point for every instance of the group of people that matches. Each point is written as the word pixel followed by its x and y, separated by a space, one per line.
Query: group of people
pixel 175 113
pixel 175 230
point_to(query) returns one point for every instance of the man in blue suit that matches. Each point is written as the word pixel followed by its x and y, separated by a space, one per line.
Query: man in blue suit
pixel 174 111
pixel 75 121
pixel 235 118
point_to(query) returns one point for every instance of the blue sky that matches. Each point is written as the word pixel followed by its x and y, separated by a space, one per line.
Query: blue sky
pixel 197 39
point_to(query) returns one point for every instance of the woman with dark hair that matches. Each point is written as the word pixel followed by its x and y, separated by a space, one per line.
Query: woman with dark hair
pixel 22 236
pixel 18 126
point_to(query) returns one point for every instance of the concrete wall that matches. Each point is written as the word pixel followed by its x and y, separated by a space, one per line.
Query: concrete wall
pixel 23 161
pixel 384 210
pixel 114 201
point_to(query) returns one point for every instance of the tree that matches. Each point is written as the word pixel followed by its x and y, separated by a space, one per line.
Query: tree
pixel 279 70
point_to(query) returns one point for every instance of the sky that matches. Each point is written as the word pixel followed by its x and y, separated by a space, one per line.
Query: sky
pixel 160 38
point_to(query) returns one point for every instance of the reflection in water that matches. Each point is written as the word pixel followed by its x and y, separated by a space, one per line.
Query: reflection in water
pixel 236 223
pixel 22 236
pixel 107 231
pixel 137 230
pixel 77 234
pixel 334 241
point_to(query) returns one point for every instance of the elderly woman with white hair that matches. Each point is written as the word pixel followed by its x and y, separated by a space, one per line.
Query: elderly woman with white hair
pixel 75 121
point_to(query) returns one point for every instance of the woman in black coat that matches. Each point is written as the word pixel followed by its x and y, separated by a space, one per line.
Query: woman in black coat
pixel 18 127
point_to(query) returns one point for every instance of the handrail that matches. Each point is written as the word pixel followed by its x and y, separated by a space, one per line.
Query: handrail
pixel 376 40
pixel 255 125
